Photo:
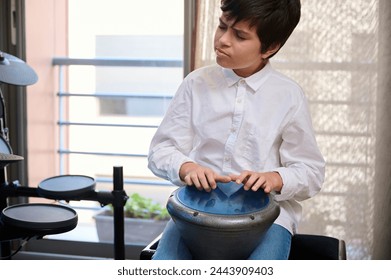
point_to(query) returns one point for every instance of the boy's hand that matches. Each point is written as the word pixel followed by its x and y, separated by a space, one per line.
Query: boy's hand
pixel 268 181
pixel 202 178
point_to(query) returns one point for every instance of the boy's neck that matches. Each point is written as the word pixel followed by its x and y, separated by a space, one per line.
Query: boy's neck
pixel 244 73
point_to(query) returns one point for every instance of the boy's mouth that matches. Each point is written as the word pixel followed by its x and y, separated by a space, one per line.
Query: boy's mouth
pixel 219 52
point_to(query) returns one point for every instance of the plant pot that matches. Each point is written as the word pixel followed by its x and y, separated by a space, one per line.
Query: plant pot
pixel 137 231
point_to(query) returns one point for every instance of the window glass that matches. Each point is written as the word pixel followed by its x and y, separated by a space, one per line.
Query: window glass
pixel 112 112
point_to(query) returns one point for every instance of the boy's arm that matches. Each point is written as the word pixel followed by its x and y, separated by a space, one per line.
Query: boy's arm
pixel 303 166
pixel 173 139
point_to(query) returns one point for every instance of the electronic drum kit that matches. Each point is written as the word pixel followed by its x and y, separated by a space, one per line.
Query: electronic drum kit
pixel 27 220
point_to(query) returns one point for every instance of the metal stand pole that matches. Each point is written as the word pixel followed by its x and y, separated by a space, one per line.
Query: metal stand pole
pixel 5 246
pixel 118 205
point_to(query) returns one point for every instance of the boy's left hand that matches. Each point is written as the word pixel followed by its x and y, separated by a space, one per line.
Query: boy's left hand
pixel 268 181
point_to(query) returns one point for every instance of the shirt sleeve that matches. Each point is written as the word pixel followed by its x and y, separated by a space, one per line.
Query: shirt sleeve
pixel 303 166
pixel 172 141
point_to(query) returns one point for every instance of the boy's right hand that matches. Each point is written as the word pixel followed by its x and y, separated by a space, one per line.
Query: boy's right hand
pixel 202 178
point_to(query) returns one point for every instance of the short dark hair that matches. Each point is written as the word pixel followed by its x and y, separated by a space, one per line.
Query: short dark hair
pixel 274 20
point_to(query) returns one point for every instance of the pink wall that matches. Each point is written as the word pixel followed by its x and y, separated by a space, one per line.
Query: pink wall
pixel 46 37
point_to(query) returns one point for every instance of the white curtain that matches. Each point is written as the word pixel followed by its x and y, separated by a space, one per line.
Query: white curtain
pixel 333 54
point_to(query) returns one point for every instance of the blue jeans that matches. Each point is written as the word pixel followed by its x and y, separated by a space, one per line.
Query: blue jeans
pixel 275 244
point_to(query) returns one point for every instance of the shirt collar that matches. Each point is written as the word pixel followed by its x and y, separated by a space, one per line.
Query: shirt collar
pixel 254 81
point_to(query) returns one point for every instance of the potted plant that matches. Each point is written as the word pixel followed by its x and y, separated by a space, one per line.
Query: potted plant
pixel 144 220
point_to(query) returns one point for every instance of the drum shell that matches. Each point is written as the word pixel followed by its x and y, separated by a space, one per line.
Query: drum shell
pixel 216 236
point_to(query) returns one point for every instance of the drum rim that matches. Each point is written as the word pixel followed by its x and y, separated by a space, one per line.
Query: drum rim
pixel 179 196
pixel 70 194
pixel 229 222
pixel 27 225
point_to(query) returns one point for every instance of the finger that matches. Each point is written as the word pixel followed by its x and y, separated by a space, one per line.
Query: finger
pixel 192 180
pixel 204 183
pixel 210 176
pixel 188 180
pixel 259 184
pixel 242 178
pixel 251 180
pixel 223 179
pixel 233 177
pixel 267 189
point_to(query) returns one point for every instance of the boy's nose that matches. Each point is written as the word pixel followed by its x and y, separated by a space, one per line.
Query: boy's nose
pixel 225 39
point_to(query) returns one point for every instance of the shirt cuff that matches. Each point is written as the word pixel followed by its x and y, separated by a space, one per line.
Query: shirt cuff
pixel 287 191
pixel 174 178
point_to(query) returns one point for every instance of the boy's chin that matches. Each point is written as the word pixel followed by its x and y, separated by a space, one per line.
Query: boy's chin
pixel 222 64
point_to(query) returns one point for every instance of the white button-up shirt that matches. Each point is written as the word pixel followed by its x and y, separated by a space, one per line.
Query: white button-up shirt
pixel 231 124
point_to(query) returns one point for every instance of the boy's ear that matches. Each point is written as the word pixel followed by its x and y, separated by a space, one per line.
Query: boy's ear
pixel 272 49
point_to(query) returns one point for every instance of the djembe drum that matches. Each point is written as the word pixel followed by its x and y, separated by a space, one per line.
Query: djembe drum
pixel 226 223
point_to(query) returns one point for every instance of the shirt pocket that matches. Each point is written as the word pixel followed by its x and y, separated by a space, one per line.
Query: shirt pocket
pixel 255 149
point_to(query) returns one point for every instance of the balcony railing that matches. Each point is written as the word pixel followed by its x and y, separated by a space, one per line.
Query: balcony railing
pixel 62 122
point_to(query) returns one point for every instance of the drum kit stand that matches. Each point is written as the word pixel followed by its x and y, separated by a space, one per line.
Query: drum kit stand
pixel 27 220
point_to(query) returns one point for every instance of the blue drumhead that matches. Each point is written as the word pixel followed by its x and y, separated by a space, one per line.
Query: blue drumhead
pixel 227 199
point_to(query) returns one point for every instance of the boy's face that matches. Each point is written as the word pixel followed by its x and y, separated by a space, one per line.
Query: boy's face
pixel 238 47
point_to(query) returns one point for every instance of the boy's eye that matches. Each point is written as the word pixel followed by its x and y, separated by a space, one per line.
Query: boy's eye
pixel 240 36
pixel 222 27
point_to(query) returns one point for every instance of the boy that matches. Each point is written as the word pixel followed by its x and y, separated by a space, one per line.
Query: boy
pixel 242 121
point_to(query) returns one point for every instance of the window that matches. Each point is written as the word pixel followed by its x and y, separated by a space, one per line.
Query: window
pixel 125 64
